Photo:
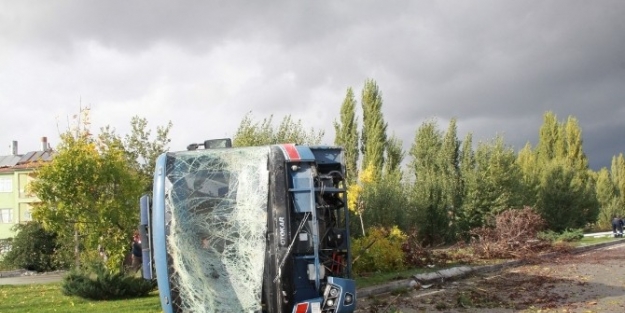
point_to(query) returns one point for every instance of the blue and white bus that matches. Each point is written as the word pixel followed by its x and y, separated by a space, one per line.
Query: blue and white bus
pixel 253 229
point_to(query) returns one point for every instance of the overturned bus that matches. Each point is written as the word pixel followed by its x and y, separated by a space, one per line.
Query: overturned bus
pixel 254 229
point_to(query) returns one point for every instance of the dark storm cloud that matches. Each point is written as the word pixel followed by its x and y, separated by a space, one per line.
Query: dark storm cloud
pixel 497 66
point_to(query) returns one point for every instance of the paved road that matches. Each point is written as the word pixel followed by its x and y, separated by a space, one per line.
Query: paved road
pixel 32 279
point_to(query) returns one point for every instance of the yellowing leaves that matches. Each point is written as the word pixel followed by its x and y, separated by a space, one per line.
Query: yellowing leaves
pixel 367 174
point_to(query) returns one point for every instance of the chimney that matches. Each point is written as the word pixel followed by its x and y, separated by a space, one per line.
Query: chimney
pixel 44 143
pixel 14 147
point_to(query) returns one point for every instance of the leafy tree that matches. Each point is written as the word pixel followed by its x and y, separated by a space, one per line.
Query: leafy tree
pixel 34 248
pixel 573 145
pixel 394 157
pixel 530 173
pixel 566 200
pixel 608 199
pixel 355 195
pixel 373 136
pixel 346 135
pixel 450 171
pixel 561 158
pixel 141 149
pixel 468 179
pixel 550 144
pixel 494 186
pixel 89 192
pixel 617 171
pixel 252 133
pixel 431 214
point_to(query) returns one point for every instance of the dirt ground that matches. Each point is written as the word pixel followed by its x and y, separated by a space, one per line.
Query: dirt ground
pixel 589 282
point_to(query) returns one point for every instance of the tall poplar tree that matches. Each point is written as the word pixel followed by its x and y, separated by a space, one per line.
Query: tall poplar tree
pixel 450 169
pixel 550 142
pixel 431 213
pixel 346 135
pixel 528 164
pixel 573 145
pixel 394 156
pixel 495 185
pixel 608 199
pixel 618 176
pixel 562 163
pixel 373 136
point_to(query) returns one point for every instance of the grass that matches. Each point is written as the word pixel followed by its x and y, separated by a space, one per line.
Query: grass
pixel 48 298
pixel 594 240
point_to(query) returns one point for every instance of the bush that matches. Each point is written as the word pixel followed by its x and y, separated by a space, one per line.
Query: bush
pixel 95 282
pixel 568 235
pixel 416 254
pixel 33 248
pixel 379 251
pixel 514 235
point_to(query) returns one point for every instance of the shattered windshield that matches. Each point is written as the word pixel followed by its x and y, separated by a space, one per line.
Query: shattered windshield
pixel 216 203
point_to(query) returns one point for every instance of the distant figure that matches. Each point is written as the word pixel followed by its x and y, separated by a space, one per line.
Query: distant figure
pixel 137 254
pixel 617 226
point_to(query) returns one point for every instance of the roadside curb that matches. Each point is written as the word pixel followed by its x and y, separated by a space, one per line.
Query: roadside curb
pixel 459 272
pixel 16 273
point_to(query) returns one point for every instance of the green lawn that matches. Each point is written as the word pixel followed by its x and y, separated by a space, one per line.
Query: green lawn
pixel 48 298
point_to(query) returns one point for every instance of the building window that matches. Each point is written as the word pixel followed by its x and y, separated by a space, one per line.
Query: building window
pixel 6 216
pixel 6 184
pixel 28 216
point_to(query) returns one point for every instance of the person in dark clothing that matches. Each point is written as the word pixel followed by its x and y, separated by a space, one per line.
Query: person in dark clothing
pixel 617 226
pixel 137 254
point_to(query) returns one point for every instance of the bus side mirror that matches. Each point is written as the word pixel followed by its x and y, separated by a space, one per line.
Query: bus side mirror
pixel 218 143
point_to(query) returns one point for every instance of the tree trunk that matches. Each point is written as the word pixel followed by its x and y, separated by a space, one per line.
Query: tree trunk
pixel 76 247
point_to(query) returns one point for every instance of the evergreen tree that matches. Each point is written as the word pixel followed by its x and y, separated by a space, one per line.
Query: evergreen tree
pixel 346 135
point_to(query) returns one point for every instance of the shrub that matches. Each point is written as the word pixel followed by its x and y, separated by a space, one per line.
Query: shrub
pixel 379 251
pixel 33 248
pixel 416 254
pixel 514 235
pixel 95 282
pixel 568 235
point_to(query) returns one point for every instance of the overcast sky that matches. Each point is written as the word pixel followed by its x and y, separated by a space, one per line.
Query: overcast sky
pixel 497 66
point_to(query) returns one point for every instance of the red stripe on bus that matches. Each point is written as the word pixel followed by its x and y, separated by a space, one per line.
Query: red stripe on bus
pixel 291 152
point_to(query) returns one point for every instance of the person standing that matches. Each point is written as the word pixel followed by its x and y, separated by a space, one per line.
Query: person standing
pixel 137 254
pixel 617 226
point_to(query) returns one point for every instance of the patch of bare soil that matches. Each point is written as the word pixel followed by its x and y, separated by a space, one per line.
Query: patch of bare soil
pixel 589 282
